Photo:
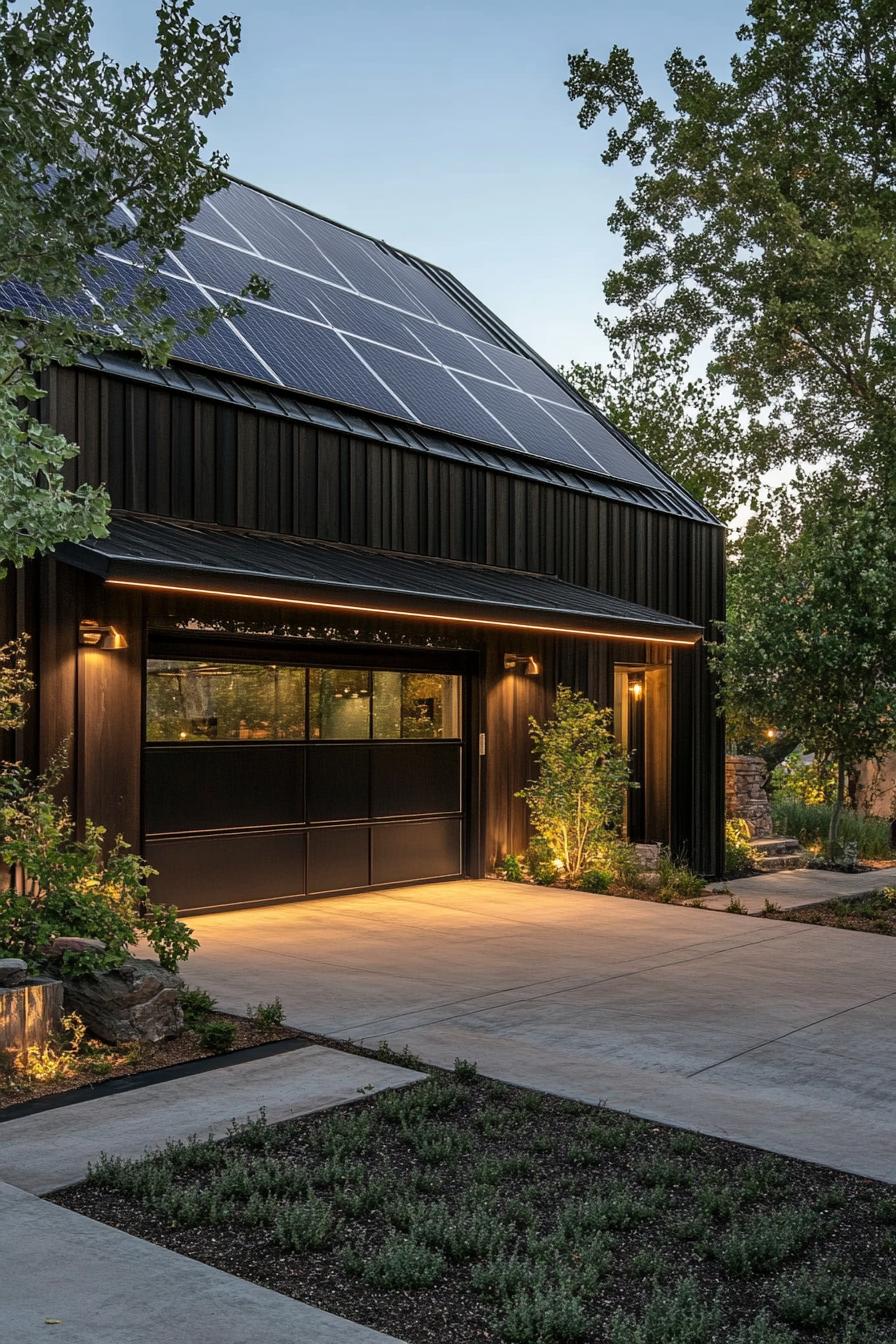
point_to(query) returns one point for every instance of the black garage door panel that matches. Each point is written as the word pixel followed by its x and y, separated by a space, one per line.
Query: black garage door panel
pixel 211 870
pixel 413 850
pixel 412 778
pixel 338 783
pixel 338 859
pixel 203 788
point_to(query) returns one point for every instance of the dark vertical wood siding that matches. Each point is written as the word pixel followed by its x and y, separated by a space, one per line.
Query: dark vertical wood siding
pixel 171 454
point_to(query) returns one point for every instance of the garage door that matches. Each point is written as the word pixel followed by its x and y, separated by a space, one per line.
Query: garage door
pixel 267 779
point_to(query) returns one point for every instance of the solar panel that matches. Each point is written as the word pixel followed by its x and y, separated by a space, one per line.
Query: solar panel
pixel 355 322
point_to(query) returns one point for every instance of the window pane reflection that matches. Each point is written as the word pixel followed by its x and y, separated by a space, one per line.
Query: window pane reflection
pixel 189 700
pixel 415 705
pixel 340 702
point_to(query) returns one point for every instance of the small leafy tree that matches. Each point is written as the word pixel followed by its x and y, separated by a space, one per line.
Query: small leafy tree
pixel 810 639
pixel 96 160
pixel 578 800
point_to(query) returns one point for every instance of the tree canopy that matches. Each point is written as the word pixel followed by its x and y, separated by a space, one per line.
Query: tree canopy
pixel 810 641
pixel 762 217
pixel 95 159
pixel 685 423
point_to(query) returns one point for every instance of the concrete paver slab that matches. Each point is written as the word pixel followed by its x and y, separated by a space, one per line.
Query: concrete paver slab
pixel 105 1287
pixel 794 887
pixel 53 1148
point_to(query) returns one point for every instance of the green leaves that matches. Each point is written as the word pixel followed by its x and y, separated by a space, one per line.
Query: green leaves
pixel 762 222
pixel 577 801
pixel 810 640
pixel 690 426
pixel 64 886
pixel 96 161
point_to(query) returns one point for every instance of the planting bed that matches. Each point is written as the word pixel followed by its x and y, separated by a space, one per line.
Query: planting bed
pixel 97 1062
pixel 875 913
pixel 461 1210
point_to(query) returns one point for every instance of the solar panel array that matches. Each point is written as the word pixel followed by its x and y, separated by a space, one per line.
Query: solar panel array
pixel 357 323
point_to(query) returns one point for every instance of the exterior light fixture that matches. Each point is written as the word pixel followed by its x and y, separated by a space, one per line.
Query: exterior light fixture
pixel 636 687
pixel 521 662
pixel 92 635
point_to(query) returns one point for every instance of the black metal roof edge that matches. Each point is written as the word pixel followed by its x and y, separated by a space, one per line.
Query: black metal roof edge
pixel 267 398
pixel 459 292
pixel 95 545
pixel 99 556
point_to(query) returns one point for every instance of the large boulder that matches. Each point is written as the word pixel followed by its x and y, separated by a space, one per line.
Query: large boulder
pixel 136 1002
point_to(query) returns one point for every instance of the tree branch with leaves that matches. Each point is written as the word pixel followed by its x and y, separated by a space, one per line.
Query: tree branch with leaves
pixel 100 167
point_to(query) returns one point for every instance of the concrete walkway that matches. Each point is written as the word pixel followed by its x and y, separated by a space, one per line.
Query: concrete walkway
pixel 800 886
pixel 46 1151
pixel 776 1034
pixel 75 1281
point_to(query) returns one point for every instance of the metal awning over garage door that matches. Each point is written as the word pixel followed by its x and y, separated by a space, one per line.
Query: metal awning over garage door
pixel 187 557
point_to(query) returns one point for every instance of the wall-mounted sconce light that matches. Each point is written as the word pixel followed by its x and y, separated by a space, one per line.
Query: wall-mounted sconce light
pixel 636 687
pixel 521 662
pixel 92 635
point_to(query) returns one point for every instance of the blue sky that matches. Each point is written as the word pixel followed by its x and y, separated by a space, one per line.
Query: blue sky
pixel 446 129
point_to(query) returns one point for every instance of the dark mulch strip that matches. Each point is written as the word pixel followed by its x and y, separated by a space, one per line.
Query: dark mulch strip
pixel 866 914
pixel 530 1218
pixel 121 1062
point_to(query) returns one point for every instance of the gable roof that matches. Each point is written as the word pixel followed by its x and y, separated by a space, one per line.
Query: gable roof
pixel 352 322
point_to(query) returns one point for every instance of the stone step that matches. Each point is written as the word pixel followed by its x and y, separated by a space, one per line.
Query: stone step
pixel 777 844
pixel 777 863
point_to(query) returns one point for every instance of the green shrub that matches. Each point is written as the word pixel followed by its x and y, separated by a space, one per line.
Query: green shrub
pixel 512 868
pixel 305 1227
pixel 596 880
pixel 761 1244
pixel 64 886
pixel 740 857
pixel 399 1263
pixel 542 1314
pixel 736 907
pixel 676 1315
pixel 465 1070
pixel 216 1036
pixel 196 1005
pixel 266 1015
pixel 621 861
pixel 677 882
pixel 539 864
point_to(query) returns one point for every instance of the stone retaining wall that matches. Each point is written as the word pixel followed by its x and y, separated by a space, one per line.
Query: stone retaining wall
pixel 745 796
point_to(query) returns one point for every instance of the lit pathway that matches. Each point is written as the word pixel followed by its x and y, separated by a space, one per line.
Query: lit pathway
pixel 799 886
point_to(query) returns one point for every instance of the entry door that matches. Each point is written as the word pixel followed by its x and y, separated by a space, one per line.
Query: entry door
pixel 642 719
pixel 269 780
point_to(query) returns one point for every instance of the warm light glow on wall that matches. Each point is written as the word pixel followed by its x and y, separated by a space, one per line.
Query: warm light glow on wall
pixel 615 636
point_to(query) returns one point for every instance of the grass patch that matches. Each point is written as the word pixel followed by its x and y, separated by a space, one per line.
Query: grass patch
pixel 461 1209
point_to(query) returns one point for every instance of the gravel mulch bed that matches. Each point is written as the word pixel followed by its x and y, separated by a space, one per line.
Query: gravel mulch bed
pixel 866 914
pixel 460 1210
pixel 99 1062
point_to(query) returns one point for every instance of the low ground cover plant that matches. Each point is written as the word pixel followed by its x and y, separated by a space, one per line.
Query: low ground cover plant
pixel 462 1209
pixel 867 914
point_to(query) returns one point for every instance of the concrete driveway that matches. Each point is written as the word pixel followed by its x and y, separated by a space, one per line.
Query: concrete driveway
pixel 775 1034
